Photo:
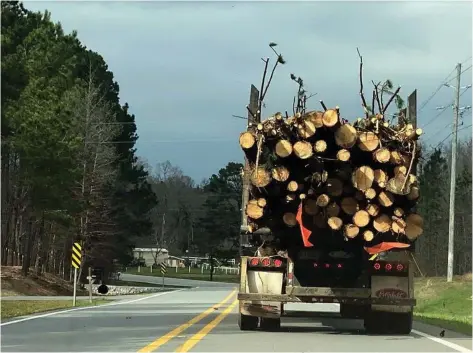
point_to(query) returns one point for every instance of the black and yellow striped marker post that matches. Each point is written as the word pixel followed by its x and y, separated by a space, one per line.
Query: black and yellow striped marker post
pixel 76 255
pixel 164 269
pixel 76 262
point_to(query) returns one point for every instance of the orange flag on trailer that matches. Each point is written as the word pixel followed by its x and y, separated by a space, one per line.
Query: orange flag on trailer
pixel 304 231
pixel 385 246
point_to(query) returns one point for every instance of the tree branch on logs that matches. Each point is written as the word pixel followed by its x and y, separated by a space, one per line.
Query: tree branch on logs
pixel 348 181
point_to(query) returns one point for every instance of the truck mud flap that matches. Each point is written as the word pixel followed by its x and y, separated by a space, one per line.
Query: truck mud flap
pixel 284 298
pixel 261 310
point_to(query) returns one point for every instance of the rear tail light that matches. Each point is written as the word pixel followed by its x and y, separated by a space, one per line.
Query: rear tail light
pixel 254 262
pixel 266 262
pixel 339 266
pixel 316 265
pixel 327 265
pixel 389 267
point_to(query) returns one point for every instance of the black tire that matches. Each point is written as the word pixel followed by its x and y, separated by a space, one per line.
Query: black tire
pixel 388 323
pixel 270 324
pixel 348 311
pixel 247 323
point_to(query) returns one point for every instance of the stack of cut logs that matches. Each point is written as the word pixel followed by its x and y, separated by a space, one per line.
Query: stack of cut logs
pixel 354 181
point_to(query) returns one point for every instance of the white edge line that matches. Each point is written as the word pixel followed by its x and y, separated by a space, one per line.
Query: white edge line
pixel 119 302
pixel 444 342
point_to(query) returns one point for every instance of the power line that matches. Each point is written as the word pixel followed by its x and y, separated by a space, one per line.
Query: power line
pixel 444 109
pixel 450 134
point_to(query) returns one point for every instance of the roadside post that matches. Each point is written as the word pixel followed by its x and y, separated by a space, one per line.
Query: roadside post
pixel 163 267
pixel 89 277
pixel 76 262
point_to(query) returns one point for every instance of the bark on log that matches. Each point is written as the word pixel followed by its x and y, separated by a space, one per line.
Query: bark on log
pixel 413 194
pixel 333 210
pixel 334 187
pixel 310 207
pixel 320 221
pixel 349 205
pixel 289 219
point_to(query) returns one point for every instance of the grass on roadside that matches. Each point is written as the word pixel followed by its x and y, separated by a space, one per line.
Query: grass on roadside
pixel 183 273
pixel 15 308
pixel 447 305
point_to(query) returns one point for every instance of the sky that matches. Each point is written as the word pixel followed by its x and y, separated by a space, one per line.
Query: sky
pixel 186 67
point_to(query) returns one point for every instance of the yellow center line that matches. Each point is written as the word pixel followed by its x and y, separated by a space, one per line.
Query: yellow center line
pixel 164 339
pixel 191 342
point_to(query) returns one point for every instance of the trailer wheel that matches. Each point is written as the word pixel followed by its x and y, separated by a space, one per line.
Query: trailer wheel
pixel 388 323
pixel 270 324
pixel 247 323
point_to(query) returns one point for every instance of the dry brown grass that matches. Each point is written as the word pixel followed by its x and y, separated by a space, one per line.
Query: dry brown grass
pixel 13 283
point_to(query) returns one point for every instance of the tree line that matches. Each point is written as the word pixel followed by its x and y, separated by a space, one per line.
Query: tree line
pixel 69 169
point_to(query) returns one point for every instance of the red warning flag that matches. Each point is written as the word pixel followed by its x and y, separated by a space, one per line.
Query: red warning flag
pixel 304 231
pixel 385 246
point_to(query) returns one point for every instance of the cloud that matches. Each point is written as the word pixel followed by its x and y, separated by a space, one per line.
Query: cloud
pixel 186 67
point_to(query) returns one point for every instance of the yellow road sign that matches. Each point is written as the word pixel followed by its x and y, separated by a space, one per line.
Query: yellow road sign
pixel 76 255
pixel 163 267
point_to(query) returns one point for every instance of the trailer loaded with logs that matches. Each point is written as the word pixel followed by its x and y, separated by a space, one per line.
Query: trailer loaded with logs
pixel 329 207
pixel 314 175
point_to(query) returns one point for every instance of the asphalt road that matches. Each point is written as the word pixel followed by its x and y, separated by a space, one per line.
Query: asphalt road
pixel 198 320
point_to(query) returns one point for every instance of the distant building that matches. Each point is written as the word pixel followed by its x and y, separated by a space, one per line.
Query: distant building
pixel 148 255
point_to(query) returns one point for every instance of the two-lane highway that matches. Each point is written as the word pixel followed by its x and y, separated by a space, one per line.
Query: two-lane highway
pixel 202 319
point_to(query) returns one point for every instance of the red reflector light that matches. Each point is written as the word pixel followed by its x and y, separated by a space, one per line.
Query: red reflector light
pixel 277 263
pixel 399 267
pixel 388 267
pixel 377 266
pixel 266 262
pixel 339 266
pixel 316 265
pixel 254 262
pixel 327 265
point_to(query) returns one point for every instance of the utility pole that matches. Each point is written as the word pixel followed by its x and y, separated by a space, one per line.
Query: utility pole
pixel 453 173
